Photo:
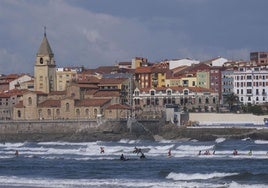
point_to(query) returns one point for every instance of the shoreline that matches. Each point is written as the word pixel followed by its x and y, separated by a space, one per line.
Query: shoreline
pixel 119 132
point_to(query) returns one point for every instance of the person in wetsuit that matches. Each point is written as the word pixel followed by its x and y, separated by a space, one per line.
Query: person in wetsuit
pixel 142 156
pixel 122 157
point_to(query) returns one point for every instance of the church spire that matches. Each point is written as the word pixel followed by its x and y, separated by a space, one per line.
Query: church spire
pixel 45 48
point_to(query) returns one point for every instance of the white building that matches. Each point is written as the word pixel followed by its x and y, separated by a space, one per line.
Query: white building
pixel 181 62
pixel 18 81
pixel 251 85
pixel 216 62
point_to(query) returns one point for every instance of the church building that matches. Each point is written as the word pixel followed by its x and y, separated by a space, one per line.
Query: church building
pixel 45 102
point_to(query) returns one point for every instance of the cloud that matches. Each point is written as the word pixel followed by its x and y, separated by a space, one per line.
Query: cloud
pixel 91 34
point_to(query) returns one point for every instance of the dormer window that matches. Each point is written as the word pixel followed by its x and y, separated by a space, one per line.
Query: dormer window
pixel 168 92
pixel 186 92
pixel 152 92
pixel 137 93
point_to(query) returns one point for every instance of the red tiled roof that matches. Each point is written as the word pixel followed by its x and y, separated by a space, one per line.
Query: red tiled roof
pixel 57 93
pixel 119 106
pixel 92 86
pixel 143 70
pixel 91 92
pixel 90 79
pixel 9 93
pixel 124 63
pixel 105 69
pixel 107 94
pixel 112 80
pixel 92 102
pixel 50 104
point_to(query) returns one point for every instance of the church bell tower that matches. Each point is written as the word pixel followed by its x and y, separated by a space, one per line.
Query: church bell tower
pixel 45 68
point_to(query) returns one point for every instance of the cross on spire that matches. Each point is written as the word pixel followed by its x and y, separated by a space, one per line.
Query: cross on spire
pixel 45 34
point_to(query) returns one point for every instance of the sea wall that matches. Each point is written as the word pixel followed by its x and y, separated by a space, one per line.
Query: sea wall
pixel 86 130
pixel 226 118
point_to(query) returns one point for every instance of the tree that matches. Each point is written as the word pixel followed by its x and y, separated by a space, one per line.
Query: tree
pixel 232 100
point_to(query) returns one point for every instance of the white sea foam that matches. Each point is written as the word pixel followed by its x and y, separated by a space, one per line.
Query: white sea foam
pixel 246 139
pixel 261 141
pixel 194 148
pixel 127 141
pixel 219 140
pixel 166 141
pixel 197 176
pixel 65 143
pixel 79 183
pixel 237 185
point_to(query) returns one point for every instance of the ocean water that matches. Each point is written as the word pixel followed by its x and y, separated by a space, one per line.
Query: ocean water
pixel 66 164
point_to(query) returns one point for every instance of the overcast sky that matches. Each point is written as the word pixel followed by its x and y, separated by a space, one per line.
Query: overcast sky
pixel 102 32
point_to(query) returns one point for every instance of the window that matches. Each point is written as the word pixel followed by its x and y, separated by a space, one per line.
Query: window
pixel 19 114
pixel 249 77
pixel 41 60
pixel 185 92
pixel 95 112
pixel 58 112
pixel 200 100
pixel 148 101
pixel 87 112
pixel 67 107
pixel 152 93
pixel 77 112
pixel 168 92
pixel 30 101
pixel 249 91
pixel 207 100
pixel 249 84
pixel 49 112
pixel 137 93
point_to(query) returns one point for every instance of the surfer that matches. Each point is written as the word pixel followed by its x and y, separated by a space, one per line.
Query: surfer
pixel 17 153
pixel 137 150
pixel 250 152
pixel 122 158
pixel 235 152
pixel 199 152
pixel 142 156
pixel 169 152
pixel 213 152
pixel 101 149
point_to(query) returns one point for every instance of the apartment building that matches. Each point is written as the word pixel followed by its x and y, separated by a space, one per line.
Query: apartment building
pixel 191 98
pixel 65 76
pixel 227 80
pixel 251 84
pixel 259 58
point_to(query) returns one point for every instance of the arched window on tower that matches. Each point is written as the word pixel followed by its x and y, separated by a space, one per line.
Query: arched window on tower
pixel 41 60
pixel 30 101
pixel 67 107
